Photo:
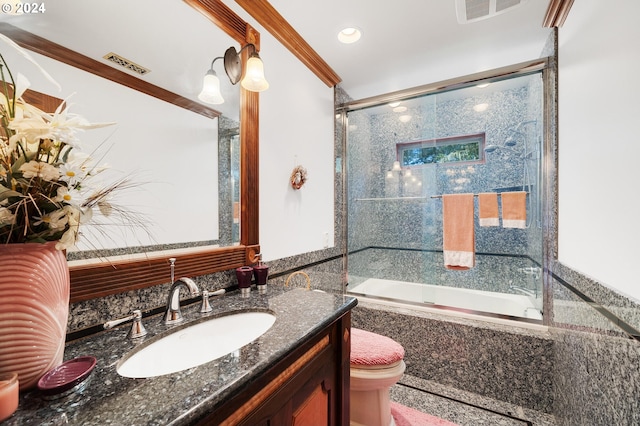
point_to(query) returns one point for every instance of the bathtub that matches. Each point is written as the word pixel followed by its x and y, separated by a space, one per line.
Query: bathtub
pixel 473 301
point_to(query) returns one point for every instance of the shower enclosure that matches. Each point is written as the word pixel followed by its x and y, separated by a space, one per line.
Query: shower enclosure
pixel 401 157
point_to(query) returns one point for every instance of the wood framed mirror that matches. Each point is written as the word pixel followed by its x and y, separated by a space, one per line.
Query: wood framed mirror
pixel 101 277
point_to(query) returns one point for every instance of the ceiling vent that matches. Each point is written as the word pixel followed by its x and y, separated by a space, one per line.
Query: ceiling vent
pixel 476 10
pixel 125 63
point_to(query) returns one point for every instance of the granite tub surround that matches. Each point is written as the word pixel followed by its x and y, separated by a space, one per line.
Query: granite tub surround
pixel 597 360
pixel 624 308
pixel 511 363
pixel 184 397
pixel 596 379
pixel 570 311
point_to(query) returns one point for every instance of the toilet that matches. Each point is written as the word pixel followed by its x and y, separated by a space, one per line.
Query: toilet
pixel 376 364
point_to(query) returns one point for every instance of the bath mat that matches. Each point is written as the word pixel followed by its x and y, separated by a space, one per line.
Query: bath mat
pixel 405 416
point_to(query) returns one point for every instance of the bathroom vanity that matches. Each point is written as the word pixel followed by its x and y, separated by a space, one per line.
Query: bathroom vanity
pixel 296 372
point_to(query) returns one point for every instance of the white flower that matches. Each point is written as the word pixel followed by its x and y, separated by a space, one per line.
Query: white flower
pixel 71 173
pixel 39 169
pixel 56 220
pixel 69 196
pixel 6 217
pixel 70 237
pixel 62 126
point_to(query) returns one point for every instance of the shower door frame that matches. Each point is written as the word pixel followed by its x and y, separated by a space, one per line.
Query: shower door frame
pixel 547 66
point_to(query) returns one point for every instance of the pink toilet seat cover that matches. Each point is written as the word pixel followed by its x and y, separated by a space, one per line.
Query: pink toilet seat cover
pixel 373 349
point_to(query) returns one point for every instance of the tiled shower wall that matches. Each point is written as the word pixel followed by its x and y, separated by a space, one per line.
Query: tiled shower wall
pixel 377 218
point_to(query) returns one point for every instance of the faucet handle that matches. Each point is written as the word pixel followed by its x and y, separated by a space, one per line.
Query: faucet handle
pixel 206 307
pixel 137 328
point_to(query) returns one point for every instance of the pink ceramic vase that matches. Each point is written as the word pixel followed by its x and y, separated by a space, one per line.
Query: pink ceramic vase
pixel 34 307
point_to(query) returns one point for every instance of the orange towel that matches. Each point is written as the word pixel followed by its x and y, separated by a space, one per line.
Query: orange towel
pixel 514 209
pixel 488 209
pixel 458 238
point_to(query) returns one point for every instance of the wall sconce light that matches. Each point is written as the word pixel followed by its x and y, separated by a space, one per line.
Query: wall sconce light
pixel 211 87
pixel 253 80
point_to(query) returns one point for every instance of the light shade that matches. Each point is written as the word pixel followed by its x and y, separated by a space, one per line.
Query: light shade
pixel 211 89
pixel 254 75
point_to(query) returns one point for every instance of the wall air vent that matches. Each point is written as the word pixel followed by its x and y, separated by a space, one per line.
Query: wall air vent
pixel 476 10
pixel 125 63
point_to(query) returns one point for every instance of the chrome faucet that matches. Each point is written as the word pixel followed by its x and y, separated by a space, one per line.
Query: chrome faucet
pixel 173 314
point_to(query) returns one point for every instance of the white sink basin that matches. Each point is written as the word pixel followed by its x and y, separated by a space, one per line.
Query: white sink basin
pixel 195 344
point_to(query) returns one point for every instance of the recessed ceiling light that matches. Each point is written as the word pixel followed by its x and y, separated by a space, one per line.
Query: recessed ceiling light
pixel 394 104
pixel 349 35
pixel 483 85
pixel 404 118
pixel 400 109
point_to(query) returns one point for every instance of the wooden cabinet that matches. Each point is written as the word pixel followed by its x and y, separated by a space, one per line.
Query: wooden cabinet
pixel 308 387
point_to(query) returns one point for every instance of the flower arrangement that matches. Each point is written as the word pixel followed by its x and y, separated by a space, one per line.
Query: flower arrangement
pixel 47 185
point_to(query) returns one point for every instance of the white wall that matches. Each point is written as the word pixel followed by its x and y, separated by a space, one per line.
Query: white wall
pixel 168 150
pixel 599 151
pixel 296 128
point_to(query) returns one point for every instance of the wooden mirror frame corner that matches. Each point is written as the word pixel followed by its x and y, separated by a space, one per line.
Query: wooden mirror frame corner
pixel 99 278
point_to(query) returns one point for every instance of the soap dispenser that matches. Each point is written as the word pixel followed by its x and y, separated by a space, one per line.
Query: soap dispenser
pixel 261 273
pixel 244 274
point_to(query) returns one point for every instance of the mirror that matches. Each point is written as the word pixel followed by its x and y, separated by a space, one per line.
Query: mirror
pixel 95 278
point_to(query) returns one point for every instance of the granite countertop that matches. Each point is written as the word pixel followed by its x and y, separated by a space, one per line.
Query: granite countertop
pixel 183 397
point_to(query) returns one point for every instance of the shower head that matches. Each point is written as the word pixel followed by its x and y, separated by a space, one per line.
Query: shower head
pixel 516 132
pixel 511 140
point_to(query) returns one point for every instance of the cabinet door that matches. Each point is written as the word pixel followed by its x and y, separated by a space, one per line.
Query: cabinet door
pixel 307 399
pixel 315 410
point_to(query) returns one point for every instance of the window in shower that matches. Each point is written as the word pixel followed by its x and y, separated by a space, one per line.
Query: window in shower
pixel 457 149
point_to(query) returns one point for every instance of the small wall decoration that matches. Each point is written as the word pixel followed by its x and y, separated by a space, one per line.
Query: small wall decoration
pixel 298 177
